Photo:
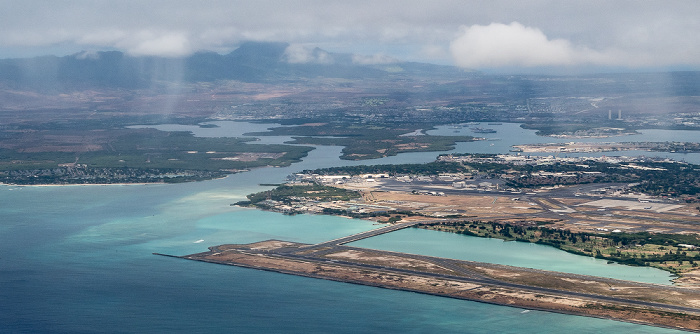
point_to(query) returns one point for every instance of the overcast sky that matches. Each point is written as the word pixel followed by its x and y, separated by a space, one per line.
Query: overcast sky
pixel 472 34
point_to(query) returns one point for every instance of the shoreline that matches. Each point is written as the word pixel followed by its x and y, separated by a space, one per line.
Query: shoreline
pixel 466 280
pixel 679 276
pixel 492 302
pixel 119 183
pixel 83 184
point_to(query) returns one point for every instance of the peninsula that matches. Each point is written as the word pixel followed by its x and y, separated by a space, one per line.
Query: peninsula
pixel 656 305
pixel 609 209
pixel 632 211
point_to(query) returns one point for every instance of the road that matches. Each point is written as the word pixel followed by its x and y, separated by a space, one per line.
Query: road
pixel 551 208
pixel 373 264
pixel 474 278
pixel 318 253
pixel 368 234
pixel 460 272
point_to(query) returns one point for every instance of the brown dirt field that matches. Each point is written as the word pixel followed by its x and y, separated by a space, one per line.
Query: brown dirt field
pixel 690 279
pixel 472 205
pixel 587 218
pixel 593 285
pixel 236 255
pixel 394 261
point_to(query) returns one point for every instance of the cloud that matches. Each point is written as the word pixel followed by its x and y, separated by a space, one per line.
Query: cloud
pixel 499 45
pixel 140 42
pixel 376 59
pixel 514 45
pixel 549 33
pixel 87 55
pixel 300 54
pixel 170 44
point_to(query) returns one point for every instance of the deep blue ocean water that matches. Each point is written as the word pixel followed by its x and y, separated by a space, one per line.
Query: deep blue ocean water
pixel 77 259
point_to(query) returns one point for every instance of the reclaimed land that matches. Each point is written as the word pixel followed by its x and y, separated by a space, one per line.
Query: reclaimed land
pixel 610 221
pixel 648 304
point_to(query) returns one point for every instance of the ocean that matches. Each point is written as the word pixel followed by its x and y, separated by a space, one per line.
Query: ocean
pixel 78 259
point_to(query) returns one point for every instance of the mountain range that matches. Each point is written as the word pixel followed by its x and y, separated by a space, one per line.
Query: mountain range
pixel 251 62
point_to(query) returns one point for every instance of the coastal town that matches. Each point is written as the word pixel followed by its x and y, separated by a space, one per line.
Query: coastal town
pixel 376 187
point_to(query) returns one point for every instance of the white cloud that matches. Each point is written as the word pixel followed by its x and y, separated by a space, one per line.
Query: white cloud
pixel 578 33
pixel 376 59
pixel 140 42
pixel 497 45
pixel 170 44
pixel 88 55
pixel 300 54
pixel 515 45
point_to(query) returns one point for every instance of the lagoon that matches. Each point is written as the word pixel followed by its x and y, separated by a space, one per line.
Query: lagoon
pixel 512 253
pixel 78 259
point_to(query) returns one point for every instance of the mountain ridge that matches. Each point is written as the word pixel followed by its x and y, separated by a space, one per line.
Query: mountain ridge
pixel 251 62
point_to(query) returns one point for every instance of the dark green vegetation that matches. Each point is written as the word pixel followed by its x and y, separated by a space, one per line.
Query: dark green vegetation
pixel 287 193
pixel 367 141
pixel 664 251
pixel 673 179
pixel 132 155
pixel 678 180
pixel 82 174
pixel 341 89
pixel 431 168
pixel 681 147
pixel 666 179
pixel 54 110
pixel 392 217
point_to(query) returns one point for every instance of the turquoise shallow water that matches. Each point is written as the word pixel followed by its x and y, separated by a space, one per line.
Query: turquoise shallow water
pixel 455 246
pixel 78 260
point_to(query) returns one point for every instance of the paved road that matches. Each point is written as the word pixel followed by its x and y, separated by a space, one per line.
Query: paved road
pixel 458 270
pixel 467 276
pixel 551 208
pixel 368 234
pixel 317 253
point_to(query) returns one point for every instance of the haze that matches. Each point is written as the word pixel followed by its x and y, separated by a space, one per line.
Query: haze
pixel 485 35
